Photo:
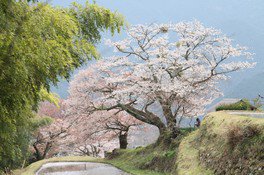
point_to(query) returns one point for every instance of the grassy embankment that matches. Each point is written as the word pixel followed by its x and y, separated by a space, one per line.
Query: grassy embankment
pixel 231 144
pixel 225 144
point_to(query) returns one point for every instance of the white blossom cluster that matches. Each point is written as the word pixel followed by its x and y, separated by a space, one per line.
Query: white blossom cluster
pixel 175 66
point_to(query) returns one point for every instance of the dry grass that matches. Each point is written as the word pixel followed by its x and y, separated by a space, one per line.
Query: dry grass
pixel 231 144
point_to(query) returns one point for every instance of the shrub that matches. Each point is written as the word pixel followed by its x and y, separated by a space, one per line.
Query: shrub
pixel 170 154
pixel 240 105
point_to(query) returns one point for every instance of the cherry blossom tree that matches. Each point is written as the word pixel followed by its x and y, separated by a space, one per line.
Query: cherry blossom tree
pixel 51 131
pixel 161 73
pixel 98 128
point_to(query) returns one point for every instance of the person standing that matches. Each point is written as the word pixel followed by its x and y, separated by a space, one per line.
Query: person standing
pixel 197 123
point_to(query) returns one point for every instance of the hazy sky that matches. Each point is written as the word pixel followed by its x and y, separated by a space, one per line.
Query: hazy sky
pixel 243 20
pixel 211 12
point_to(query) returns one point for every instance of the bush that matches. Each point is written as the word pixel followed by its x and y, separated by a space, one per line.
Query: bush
pixel 240 105
pixel 170 154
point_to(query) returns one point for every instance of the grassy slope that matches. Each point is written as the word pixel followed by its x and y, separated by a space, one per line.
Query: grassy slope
pixel 133 160
pixel 226 144
pixel 188 158
pixel 156 159
pixel 219 122
pixel 230 144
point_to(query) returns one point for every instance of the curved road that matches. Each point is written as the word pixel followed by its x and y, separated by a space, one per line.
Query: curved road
pixel 78 168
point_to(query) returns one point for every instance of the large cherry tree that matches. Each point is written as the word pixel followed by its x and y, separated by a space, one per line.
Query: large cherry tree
pixel 161 73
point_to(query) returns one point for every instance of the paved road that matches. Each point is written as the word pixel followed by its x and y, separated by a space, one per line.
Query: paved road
pixel 78 168
pixel 248 113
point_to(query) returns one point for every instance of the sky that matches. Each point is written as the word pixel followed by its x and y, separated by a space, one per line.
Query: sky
pixel 242 20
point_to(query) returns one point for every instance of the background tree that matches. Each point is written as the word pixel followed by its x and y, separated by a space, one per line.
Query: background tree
pixel 257 103
pixel 96 125
pixel 38 45
pixel 165 72
pixel 51 130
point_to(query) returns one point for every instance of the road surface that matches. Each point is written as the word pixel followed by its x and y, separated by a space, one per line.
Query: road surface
pixel 79 168
pixel 248 113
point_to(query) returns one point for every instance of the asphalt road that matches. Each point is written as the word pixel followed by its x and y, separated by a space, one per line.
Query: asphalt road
pixel 248 113
pixel 79 168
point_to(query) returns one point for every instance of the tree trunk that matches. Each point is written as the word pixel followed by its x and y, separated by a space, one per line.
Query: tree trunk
pixel 172 128
pixel 37 153
pixel 123 141
pixel 167 134
pixel 162 134
pixel 47 149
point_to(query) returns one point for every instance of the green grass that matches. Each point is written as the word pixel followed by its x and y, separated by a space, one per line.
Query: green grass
pixel 188 158
pixel 135 160
pixel 156 159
